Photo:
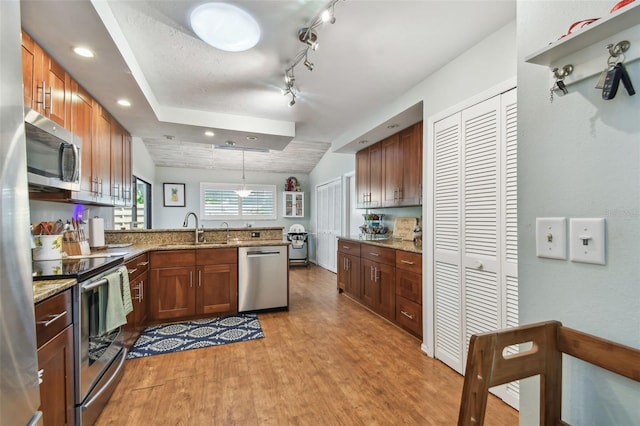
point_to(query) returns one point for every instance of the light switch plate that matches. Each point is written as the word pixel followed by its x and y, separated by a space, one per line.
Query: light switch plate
pixel 587 240
pixel 551 237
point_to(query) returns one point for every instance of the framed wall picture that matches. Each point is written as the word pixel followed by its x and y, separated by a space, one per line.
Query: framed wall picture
pixel 174 195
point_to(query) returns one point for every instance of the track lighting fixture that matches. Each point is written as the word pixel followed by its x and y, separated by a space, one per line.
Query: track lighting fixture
pixel 309 36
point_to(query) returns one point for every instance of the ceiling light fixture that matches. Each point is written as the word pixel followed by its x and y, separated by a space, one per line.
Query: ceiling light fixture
pixel 124 103
pixel 243 192
pixel 309 36
pixel 225 27
pixel 209 133
pixel 84 52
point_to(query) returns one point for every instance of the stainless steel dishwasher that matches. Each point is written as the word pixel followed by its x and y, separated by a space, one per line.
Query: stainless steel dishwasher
pixel 263 278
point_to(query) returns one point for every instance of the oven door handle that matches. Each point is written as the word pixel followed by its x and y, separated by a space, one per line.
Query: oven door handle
pixel 106 385
pixel 91 286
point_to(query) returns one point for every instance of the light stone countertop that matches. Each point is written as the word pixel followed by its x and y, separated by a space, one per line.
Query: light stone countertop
pixel 395 244
pixel 43 289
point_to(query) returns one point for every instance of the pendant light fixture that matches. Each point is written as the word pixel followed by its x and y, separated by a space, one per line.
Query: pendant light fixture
pixel 243 192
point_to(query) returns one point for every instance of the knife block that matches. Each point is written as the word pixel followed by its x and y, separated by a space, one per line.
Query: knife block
pixel 73 245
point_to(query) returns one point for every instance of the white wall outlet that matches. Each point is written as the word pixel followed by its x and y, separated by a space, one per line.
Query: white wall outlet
pixel 551 237
pixel 586 241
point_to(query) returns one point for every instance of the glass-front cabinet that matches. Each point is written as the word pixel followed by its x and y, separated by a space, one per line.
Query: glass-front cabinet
pixel 293 204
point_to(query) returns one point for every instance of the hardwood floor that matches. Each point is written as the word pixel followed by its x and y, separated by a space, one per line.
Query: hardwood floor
pixel 327 361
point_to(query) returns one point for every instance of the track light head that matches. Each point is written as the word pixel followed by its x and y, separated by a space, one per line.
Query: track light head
pixel 308 37
pixel 308 64
pixel 293 101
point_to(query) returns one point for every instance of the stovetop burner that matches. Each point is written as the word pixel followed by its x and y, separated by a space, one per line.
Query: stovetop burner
pixel 81 269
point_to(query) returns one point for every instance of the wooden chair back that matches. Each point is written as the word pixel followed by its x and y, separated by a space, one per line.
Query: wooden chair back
pixel 488 365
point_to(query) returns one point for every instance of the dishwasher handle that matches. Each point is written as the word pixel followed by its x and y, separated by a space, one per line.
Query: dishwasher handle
pixel 262 253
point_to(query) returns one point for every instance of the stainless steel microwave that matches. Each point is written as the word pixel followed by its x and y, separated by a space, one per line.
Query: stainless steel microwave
pixel 53 153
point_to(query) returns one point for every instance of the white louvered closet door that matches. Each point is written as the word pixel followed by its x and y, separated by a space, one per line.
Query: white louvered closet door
pixel 510 392
pixel 447 277
pixel 475 228
pixel 481 135
pixel 329 223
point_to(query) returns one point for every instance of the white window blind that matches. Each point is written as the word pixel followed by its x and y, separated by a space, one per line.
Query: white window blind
pixel 219 201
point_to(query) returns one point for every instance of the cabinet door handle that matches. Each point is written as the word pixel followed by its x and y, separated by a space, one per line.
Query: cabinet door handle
pixel 131 271
pixel 371 273
pixel 376 276
pixel 407 262
pixel 190 278
pixel 375 254
pixel 143 263
pixel 200 278
pixel 40 374
pixel 53 319
pixel 407 314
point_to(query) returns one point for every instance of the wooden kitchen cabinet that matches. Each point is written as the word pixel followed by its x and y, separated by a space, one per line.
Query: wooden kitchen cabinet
pixel 101 154
pixel 349 268
pixel 402 168
pixel 138 269
pixel 409 291
pixel 388 281
pixel 188 283
pixel 54 332
pixel 389 173
pixel 82 126
pixel 217 291
pixel 378 279
pixel 369 177
pixel 47 86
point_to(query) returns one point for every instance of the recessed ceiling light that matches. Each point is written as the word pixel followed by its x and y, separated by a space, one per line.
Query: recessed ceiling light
pixel 252 138
pixel 393 126
pixel 209 133
pixel 225 27
pixel 124 103
pixel 83 51
pixel 363 142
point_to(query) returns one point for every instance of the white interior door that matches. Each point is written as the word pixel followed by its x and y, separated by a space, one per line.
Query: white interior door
pixel 329 217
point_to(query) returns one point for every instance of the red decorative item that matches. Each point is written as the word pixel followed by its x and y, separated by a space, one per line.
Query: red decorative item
pixel 580 24
pixel 621 4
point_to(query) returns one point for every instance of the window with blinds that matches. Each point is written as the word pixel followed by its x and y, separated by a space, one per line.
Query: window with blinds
pixel 219 201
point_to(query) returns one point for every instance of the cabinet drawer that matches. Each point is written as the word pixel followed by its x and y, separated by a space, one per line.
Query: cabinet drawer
pixel 408 261
pixel 138 265
pixel 349 247
pixel 216 256
pixel 409 285
pixel 378 254
pixel 172 258
pixel 409 315
pixel 52 316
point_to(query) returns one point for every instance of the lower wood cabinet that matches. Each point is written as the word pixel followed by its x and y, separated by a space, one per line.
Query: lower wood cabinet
pixel 188 283
pixel 54 332
pixel 386 280
pixel 138 269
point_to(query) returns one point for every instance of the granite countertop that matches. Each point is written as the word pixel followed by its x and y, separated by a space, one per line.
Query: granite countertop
pixel 43 289
pixel 395 244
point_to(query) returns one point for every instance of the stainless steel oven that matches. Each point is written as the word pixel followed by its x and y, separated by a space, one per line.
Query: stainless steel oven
pixel 100 353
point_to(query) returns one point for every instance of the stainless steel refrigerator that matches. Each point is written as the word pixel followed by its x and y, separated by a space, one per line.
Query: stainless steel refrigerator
pixel 19 388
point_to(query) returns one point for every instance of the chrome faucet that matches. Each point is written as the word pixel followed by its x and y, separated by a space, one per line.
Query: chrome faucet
pixel 198 232
pixel 225 223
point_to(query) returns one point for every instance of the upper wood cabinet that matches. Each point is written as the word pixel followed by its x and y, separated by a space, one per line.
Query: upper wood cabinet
pixel 82 126
pixel 389 173
pixel 105 168
pixel 47 86
pixel 369 163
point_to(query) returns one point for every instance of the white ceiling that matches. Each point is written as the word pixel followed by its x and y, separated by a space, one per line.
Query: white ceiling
pixel 179 86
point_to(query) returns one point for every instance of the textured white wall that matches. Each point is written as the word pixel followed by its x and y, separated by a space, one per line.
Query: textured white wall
pixel 579 157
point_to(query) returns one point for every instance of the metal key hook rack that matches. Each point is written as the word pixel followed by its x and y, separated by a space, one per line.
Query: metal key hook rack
pixel 615 50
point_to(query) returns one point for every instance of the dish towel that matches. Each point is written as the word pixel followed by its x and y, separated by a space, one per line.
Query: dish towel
pixel 126 291
pixel 116 314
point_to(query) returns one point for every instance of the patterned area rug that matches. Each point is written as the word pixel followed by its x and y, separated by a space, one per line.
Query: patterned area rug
pixel 163 339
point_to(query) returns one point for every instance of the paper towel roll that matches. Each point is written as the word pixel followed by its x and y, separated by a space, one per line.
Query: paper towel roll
pixel 96 232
